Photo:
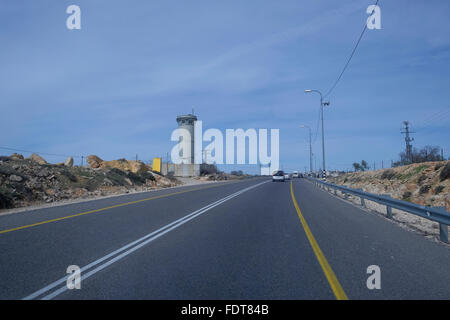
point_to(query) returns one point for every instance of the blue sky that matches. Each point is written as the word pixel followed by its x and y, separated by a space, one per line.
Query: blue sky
pixel 114 87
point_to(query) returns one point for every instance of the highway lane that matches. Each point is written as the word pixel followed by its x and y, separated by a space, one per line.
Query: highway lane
pixel 352 239
pixel 33 256
pixel 249 246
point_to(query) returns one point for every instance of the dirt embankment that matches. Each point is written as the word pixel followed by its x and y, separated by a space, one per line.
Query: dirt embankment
pixel 32 181
pixel 425 183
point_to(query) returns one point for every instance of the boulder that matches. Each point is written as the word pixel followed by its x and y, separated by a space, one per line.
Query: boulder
pixel 107 182
pixel 38 159
pixel 15 178
pixel 69 162
pixel 126 165
pixel 162 181
pixel 16 156
pixel 94 161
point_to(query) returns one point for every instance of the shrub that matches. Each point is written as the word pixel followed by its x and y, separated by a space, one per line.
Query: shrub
pixel 438 189
pixel 424 189
pixel 6 200
pixel 445 173
pixel 69 175
pixel 421 179
pixel 388 174
pixel 207 169
pixel 406 195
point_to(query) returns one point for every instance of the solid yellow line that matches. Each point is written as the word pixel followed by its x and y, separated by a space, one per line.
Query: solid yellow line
pixel 329 274
pixel 102 209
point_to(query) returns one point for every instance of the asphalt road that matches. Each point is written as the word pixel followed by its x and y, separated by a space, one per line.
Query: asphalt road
pixel 231 240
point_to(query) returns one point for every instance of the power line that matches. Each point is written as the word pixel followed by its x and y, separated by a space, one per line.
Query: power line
pixel 351 56
pixel 437 117
pixel 42 153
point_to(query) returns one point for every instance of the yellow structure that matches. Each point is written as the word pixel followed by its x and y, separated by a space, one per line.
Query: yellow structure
pixel 157 164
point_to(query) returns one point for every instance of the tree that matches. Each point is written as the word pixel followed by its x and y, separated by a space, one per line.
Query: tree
pixel 364 165
pixel 427 153
pixel 360 167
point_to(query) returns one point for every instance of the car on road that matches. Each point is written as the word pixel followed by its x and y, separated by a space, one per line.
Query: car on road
pixel 287 176
pixel 295 174
pixel 278 175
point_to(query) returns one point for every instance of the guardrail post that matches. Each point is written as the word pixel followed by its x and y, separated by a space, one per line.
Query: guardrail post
pixel 388 208
pixel 363 202
pixel 443 228
pixel 389 212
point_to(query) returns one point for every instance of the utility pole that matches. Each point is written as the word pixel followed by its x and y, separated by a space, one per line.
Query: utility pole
pixel 315 163
pixel 167 162
pixel 408 141
pixel 310 147
pixel 322 104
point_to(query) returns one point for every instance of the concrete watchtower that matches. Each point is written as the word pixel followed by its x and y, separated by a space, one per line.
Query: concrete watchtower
pixel 187 122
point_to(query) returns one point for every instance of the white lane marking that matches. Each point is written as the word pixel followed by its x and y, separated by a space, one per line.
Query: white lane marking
pixel 133 246
pixel 92 264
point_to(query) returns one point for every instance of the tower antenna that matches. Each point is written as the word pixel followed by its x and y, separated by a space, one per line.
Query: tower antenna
pixel 408 141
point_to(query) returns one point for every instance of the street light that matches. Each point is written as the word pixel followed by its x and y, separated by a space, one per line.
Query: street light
pixel 310 146
pixel 322 104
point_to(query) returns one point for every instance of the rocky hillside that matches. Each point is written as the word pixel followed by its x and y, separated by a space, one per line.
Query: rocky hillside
pixel 30 181
pixel 425 183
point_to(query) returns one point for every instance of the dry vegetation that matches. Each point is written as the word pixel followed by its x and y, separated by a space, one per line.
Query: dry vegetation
pixel 426 183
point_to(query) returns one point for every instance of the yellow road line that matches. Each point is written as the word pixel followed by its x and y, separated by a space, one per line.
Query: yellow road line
pixel 329 274
pixel 104 209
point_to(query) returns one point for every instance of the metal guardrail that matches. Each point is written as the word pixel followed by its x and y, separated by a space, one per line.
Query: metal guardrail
pixel 437 214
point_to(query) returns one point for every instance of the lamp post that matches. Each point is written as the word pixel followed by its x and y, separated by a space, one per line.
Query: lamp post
pixel 310 147
pixel 322 104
